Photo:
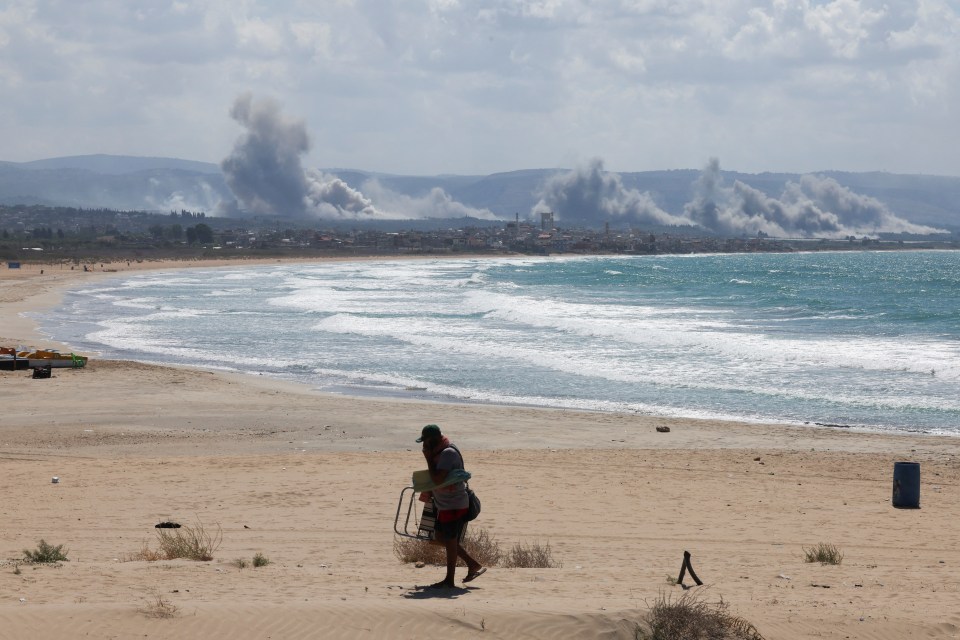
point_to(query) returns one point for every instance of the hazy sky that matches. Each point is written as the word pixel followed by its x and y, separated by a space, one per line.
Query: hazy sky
pixel 448 86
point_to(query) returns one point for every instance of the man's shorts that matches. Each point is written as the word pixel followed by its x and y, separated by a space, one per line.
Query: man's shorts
pixel 455 528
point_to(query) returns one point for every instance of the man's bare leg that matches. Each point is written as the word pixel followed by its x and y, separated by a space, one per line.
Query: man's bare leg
pixel 451 546
pixel 472 565
pixel 455 550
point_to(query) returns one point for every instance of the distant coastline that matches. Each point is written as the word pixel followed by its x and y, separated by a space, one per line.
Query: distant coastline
pixel 97 261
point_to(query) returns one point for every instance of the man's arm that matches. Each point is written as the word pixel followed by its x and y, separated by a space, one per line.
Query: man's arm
pixel 437 475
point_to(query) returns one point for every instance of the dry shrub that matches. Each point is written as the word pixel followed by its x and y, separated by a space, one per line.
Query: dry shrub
pixel 823 553
pixel 159 608
pixel 480 544
pixel 531 556
pixel 190 542
pixel 414 550
pixel 482 547
pixel 145 554
pixel 689 617
pixel 260 560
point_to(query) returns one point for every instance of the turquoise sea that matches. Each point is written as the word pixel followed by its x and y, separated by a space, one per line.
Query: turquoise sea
pixel 860 339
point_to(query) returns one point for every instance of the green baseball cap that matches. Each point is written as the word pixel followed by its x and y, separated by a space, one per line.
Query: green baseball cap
pixel 429 431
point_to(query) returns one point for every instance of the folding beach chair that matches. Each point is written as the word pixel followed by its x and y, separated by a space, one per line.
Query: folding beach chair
pixel 421 528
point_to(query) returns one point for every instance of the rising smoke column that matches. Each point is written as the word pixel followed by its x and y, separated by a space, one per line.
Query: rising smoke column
pixel 816 206
pixel 589 196
pixel 265 174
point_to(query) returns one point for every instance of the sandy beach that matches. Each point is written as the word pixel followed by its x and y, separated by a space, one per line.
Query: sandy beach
pixel 311 481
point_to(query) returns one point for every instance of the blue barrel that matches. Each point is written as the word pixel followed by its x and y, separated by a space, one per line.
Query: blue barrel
pixel 906 485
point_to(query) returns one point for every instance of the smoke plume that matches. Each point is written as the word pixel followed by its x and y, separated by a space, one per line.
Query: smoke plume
pixel 437 203
pixel 265 174
pixel 815 206
pixel 588 196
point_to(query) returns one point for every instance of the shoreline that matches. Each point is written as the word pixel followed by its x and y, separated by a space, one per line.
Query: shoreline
pixel 38 286
pixel 46 290
pixel 52 287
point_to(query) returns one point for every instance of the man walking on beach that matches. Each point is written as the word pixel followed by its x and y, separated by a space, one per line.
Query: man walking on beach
pixel 451 502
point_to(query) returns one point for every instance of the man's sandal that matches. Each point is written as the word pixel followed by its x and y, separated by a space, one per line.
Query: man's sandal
pixel 473 575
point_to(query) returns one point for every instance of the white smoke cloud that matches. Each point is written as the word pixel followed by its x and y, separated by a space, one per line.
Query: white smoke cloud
pixel 816 206
pixel 589 196
pixel 265 174
pixel 201 197
pixel 437 203
pixel 331 197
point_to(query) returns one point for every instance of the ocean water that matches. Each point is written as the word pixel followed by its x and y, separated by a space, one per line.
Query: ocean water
pixel 861 339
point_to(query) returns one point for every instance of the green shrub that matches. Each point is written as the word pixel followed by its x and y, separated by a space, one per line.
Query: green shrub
pixel 260 560
pixel 46 553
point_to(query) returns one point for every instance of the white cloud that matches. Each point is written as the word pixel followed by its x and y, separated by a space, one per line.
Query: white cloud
pixel 259 36
pixel 844 25
pixel 452 86
pixel 313 37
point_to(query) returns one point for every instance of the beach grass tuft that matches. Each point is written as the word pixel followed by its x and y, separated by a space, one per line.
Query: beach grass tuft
pixel 823 553
pixel 240 563
pixel 531 556
pixel 46 553
pixel 260 560
pixel 692 618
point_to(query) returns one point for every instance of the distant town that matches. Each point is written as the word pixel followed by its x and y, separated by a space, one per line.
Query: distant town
pixel 57 234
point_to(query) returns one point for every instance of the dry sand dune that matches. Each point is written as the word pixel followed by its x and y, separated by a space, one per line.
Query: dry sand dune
pixel 311 481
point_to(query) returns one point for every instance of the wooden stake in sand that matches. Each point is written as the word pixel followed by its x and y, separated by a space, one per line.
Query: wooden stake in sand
pixel 687 567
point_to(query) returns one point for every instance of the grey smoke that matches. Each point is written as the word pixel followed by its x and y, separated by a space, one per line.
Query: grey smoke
pixel 588 195
pixel 816 206
pixel 266 176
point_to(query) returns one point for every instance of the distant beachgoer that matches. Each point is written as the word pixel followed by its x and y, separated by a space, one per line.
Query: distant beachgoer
pixel 451 503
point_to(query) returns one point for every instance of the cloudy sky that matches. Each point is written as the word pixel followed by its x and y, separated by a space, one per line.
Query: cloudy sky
pixel 454 86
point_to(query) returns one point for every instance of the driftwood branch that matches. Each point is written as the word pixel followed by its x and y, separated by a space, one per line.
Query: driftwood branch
pixel 687 567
